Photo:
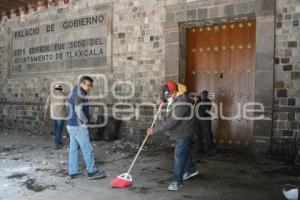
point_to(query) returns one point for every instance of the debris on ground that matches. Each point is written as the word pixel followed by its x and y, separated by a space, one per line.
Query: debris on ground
pixel 31 169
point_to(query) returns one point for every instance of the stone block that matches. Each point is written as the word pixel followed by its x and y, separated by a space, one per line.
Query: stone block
pixel 228 10
pixel 296 16
pixel 242 8
pixel 291 116
pixel 191 14
pixel 264 80
pixel 284 60
pixel 296 23
pixel 265 27
pixel 263 128
pixel 287 67
pixel 180 16
pixel 214 12
pixel 287 53
pixel 170 17
pixel 172 55
pixel 265 7
pixel 121 35
pixel 291 101
pixel 264 96
pixel 287 17
pixel 264 44
pixel 292 44
pixel 295 75
pixel 202 13
pixel 172 37
pixel 192 5
pixel 264 60
pixel 251 6
pixel 287 133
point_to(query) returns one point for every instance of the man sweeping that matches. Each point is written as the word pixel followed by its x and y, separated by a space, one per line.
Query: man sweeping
pixel 179 123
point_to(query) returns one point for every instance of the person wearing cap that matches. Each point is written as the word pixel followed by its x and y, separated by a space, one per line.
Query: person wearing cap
pixel 203 124
pixel 56 107
pixel 179 123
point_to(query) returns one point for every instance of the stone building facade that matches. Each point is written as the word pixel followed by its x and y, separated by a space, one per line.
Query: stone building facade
pixel 146 44
pixel 286 76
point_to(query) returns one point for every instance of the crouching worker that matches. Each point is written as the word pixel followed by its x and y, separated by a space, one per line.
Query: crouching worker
pixel 181 128
pixel 78 111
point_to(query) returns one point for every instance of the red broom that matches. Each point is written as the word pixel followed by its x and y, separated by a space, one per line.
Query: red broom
pixel 125 180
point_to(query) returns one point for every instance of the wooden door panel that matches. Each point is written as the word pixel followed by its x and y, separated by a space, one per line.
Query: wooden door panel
pixel 221 59
pixel 203 55
pixel 190 59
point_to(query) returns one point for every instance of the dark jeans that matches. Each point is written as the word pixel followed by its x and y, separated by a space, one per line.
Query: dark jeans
pixel 58 128
pixel 183 161
pixel 204 134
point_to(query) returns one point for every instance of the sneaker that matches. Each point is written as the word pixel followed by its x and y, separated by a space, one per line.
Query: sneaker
pixel 174 186
pixel 97 175
pixel 187 176
pixel 58 147
pixel 73 176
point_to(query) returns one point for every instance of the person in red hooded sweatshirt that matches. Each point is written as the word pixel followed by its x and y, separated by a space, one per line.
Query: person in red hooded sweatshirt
pixel 180 125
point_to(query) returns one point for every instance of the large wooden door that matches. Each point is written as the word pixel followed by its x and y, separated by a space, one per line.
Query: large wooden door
pixel 221 59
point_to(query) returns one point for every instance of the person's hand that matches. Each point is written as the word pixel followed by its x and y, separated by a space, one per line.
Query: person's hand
pixel 159 102
pixel 149 131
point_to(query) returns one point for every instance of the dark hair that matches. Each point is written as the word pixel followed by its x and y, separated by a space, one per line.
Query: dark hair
pixel 86 79
pixel 204 94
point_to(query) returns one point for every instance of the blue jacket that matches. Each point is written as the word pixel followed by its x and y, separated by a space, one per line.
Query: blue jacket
pixel 78 109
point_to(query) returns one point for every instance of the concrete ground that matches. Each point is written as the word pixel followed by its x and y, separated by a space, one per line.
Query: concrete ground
pixel 31 169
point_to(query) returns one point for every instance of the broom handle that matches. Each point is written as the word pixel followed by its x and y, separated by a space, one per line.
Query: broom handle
pixel 131 166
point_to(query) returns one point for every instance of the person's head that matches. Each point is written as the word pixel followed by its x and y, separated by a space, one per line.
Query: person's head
pixel 204 94
pixel 58 87
pixel 169 90
pixel 86 83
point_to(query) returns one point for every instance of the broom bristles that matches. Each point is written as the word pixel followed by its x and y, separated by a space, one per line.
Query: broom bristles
pixel 120 183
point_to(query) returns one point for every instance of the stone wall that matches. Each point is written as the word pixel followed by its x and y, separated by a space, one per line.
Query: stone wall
pixel 287 69
pixel 183 14
pixel 137 39
pixel 148 46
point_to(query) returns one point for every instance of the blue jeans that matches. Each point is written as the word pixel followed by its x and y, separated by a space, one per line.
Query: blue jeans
pixel 58 129
pixel 183 161
pixel 79 138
